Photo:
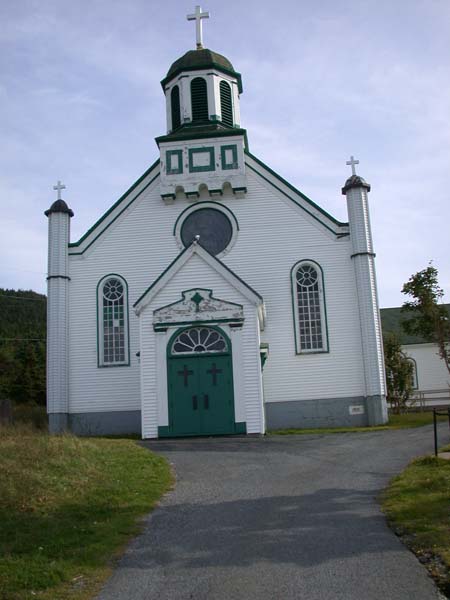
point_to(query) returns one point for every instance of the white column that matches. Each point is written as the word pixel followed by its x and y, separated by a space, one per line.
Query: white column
pixel 168 111
pixel 185 99
pixel 236 107
pixel 58 316
pixel 238 374
pixel 213 82
pixel 363 258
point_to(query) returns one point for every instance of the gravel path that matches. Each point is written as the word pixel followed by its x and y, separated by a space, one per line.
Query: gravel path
pixel 276 518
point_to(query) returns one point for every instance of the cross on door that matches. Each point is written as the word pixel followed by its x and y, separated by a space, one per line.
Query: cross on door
pixel 214 371
pixel 185 373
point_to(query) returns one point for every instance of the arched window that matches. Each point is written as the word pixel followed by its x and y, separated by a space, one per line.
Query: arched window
pixel 199 100
pixel 309 308
pixel 414 378
pixel 112 306
pixel 226 105
pixel 175 107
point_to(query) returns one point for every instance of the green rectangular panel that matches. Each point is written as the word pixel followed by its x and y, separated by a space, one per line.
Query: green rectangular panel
pixel 229 162
pixel 174 162
pixel 208 153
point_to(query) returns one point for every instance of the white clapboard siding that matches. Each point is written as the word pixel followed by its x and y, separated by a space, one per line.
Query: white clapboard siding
pixel 274 235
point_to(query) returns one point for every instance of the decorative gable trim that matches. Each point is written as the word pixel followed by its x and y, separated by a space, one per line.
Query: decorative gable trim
pixel 296 196
pixel 198 305
pixel 248 292
pixel 113 213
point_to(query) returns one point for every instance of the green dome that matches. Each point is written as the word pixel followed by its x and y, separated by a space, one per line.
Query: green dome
pixel 195 60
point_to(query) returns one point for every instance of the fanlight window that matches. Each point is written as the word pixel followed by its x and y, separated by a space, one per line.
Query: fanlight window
pixel 113 322
pixel 198 340
pixel 175 107
pixel 226 105
pixel 309 308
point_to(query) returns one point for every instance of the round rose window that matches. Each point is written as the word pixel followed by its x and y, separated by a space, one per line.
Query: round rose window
pixel 212 226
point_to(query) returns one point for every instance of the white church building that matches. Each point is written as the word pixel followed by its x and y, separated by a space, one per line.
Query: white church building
pixel 213 297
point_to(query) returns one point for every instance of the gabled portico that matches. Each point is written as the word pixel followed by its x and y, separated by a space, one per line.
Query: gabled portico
pixel 200 353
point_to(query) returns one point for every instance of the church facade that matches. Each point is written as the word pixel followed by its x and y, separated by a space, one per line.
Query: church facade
pixel 213 297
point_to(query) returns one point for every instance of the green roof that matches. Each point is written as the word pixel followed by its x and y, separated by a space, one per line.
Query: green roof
pixel 191 131
pixel 391 320
pixel 195 60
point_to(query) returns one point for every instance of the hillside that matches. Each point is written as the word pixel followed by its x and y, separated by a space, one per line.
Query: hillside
pixel 391 322
pixel 22 345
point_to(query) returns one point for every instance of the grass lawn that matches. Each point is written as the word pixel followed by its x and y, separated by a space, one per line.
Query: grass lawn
pixel 67 507
pixel 404 421
pixel 417 504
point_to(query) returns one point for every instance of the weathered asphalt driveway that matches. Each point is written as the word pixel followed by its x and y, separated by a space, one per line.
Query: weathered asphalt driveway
pixel 276 518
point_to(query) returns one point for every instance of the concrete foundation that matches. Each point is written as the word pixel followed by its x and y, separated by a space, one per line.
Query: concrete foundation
pixel 310 414
pixel 97 423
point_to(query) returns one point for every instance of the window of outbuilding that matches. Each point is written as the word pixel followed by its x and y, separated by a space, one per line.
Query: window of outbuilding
pixel 175 107
pixel 226 105
pixel 199 100
pixel 309 308
pixel 112 307
pixel 414 377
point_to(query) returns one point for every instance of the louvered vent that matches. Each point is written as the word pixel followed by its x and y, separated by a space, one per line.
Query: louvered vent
pixel 225 104
pixel 199 99
pixel 175 106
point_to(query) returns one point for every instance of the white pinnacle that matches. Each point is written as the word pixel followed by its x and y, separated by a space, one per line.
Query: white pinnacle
pixel 198 16
pixel 352 162
pixel 58 187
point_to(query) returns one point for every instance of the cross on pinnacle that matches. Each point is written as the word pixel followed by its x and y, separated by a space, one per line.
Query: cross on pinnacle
pixel 352 162
pixel 58 187
pixel 198 16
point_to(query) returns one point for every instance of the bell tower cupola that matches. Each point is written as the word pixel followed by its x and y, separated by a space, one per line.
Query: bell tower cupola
pixel 204 144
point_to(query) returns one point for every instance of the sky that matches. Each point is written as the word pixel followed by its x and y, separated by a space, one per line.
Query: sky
pixel 81 101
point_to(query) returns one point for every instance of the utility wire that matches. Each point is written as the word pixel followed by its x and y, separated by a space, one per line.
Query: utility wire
pixel 24 270
pixel 23 298
pixel 25 387
pixel 22 339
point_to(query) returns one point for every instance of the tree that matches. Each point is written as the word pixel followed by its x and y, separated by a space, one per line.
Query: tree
pixel 429 318
pixel 399 373
pixel 22 346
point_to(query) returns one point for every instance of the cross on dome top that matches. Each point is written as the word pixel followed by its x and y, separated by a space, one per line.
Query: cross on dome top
pixel 352 162
pixel 198 16
pixel 58 187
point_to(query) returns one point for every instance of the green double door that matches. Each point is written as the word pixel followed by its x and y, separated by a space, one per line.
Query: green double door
pixel 200 395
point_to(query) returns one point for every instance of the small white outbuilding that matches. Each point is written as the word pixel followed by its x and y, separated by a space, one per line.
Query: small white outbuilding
pixel 431 379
